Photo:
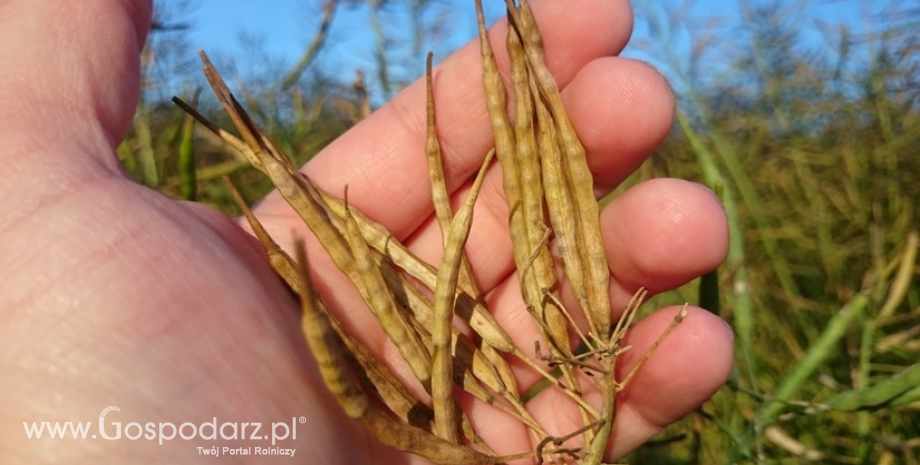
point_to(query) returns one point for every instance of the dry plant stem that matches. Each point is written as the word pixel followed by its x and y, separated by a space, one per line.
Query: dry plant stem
pixel 292 185
pixel 558 441
pixel 400 403
pixel 280 261
pixel 472 365
pixel 304 198
pixel 370 270
pixel 610 350
pixel 613 345
pixel 472 311
pixel 466 356
pixel 504 150
pixel 594 452
pixel 577 176
pixel 441 202
pixel 678 318
pixel 242 151
pixel 327 348
pixel 581 335
pixel 392 392
pixel 439 195
pixel 445 290
pixel 538 269
pixel 383 305
pixel 468 360
pixel 558 200
pixel 507 380
pixel 560 207
pixel 478 317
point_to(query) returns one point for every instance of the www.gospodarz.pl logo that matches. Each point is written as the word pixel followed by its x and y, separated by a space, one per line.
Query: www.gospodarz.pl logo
pixel 165 431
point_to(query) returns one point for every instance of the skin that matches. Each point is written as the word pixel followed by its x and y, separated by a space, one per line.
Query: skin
pixel 111 294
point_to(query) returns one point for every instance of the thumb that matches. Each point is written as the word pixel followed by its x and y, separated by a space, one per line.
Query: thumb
pixel 69 83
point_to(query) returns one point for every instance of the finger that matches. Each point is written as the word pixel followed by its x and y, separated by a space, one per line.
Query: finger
pixel 387 149
pixel 689 366
pixel 661 234
pixel 70 81
pixel 691 363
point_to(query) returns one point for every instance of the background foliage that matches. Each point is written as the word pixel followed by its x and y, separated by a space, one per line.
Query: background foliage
pixel 815 155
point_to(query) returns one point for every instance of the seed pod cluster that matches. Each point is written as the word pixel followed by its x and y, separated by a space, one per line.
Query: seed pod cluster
pixel 544 171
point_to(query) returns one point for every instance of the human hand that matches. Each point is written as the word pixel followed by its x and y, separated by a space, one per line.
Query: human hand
pixel 114 295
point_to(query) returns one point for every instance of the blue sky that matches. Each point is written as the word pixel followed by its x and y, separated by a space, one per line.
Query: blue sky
pixel 280 30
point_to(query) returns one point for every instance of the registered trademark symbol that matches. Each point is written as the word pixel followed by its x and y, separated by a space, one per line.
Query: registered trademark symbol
pixel 303 419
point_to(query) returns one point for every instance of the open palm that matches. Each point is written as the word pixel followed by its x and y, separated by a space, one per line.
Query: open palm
pixel 113 295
